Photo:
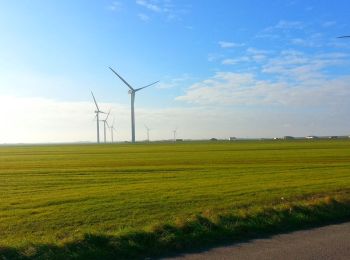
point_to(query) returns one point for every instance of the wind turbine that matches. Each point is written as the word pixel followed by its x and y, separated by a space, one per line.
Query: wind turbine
pixel 174 132
pixel 132 92
pixel 98 112
pixel 104 125
pixel 147 129
pixel 112 129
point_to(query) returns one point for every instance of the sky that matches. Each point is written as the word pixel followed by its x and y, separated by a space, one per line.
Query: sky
pixel 243 68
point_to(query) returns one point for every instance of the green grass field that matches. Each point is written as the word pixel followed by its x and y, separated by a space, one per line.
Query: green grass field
pixel 126 200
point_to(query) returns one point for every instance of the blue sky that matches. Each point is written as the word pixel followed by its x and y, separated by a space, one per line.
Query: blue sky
pixel 233 68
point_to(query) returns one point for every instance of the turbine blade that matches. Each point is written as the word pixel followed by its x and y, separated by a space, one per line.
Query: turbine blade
pixel 120 77
pixel 344 36
pixel 146 86
pixel 108 115
pixel 95 101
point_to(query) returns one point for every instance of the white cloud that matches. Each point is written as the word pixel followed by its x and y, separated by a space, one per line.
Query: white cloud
pixel 228 88
pixel 235 61
pixel 226 44
pixel 251 50
pixel 229 61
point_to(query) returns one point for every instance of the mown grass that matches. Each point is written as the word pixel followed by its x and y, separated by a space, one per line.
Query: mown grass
pixel 132 201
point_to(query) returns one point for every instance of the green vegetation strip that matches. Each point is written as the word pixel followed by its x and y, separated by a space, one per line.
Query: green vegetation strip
pixel 133 201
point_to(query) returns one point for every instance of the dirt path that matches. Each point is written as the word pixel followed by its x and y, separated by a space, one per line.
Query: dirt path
pixel 330 242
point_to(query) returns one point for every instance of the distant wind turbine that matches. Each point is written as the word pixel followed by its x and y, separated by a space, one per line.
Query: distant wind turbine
pixel 147 129
pixel 104 125
pixel 132 92
pixel 174 132
pixel 112 129
pixel 98 112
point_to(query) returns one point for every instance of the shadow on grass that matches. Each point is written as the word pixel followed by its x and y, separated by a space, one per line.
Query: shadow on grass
pixel 192 234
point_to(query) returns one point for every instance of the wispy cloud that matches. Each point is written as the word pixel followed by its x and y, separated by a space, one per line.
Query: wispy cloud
pixel 150 5
pixel 144 17
pixel 236 60
pixel 297 66
pixel 257 51
pixel 287 25
pixel 226 44
pixel 174 82
pixel 214 57
pixel 307 42
pixel 115 6
pixel 166 8
pixel 329 23
pixel 284 26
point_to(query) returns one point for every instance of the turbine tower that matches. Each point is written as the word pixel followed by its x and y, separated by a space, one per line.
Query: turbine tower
pixel 174 132
pixel 112 130
pixel 147 129
pixel 104 125
pixel 98 112
pixel 132 92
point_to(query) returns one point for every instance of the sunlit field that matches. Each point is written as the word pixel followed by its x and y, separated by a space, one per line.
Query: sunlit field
pixel 59 195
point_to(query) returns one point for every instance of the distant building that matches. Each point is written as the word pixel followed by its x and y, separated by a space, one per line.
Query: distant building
pixel 311 137
pixel 287 137
pixel 232 138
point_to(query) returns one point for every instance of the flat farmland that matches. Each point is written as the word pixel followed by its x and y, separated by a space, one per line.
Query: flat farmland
pixel 146 199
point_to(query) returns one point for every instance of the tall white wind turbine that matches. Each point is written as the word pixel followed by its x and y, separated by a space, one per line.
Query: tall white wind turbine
pixel 104 125
pixel 98 112
pixel 132 92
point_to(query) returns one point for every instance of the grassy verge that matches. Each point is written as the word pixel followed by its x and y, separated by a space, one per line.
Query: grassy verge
pixel 195 232
pixel 131 201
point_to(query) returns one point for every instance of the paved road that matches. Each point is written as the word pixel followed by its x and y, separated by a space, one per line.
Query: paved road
pixel 330 242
